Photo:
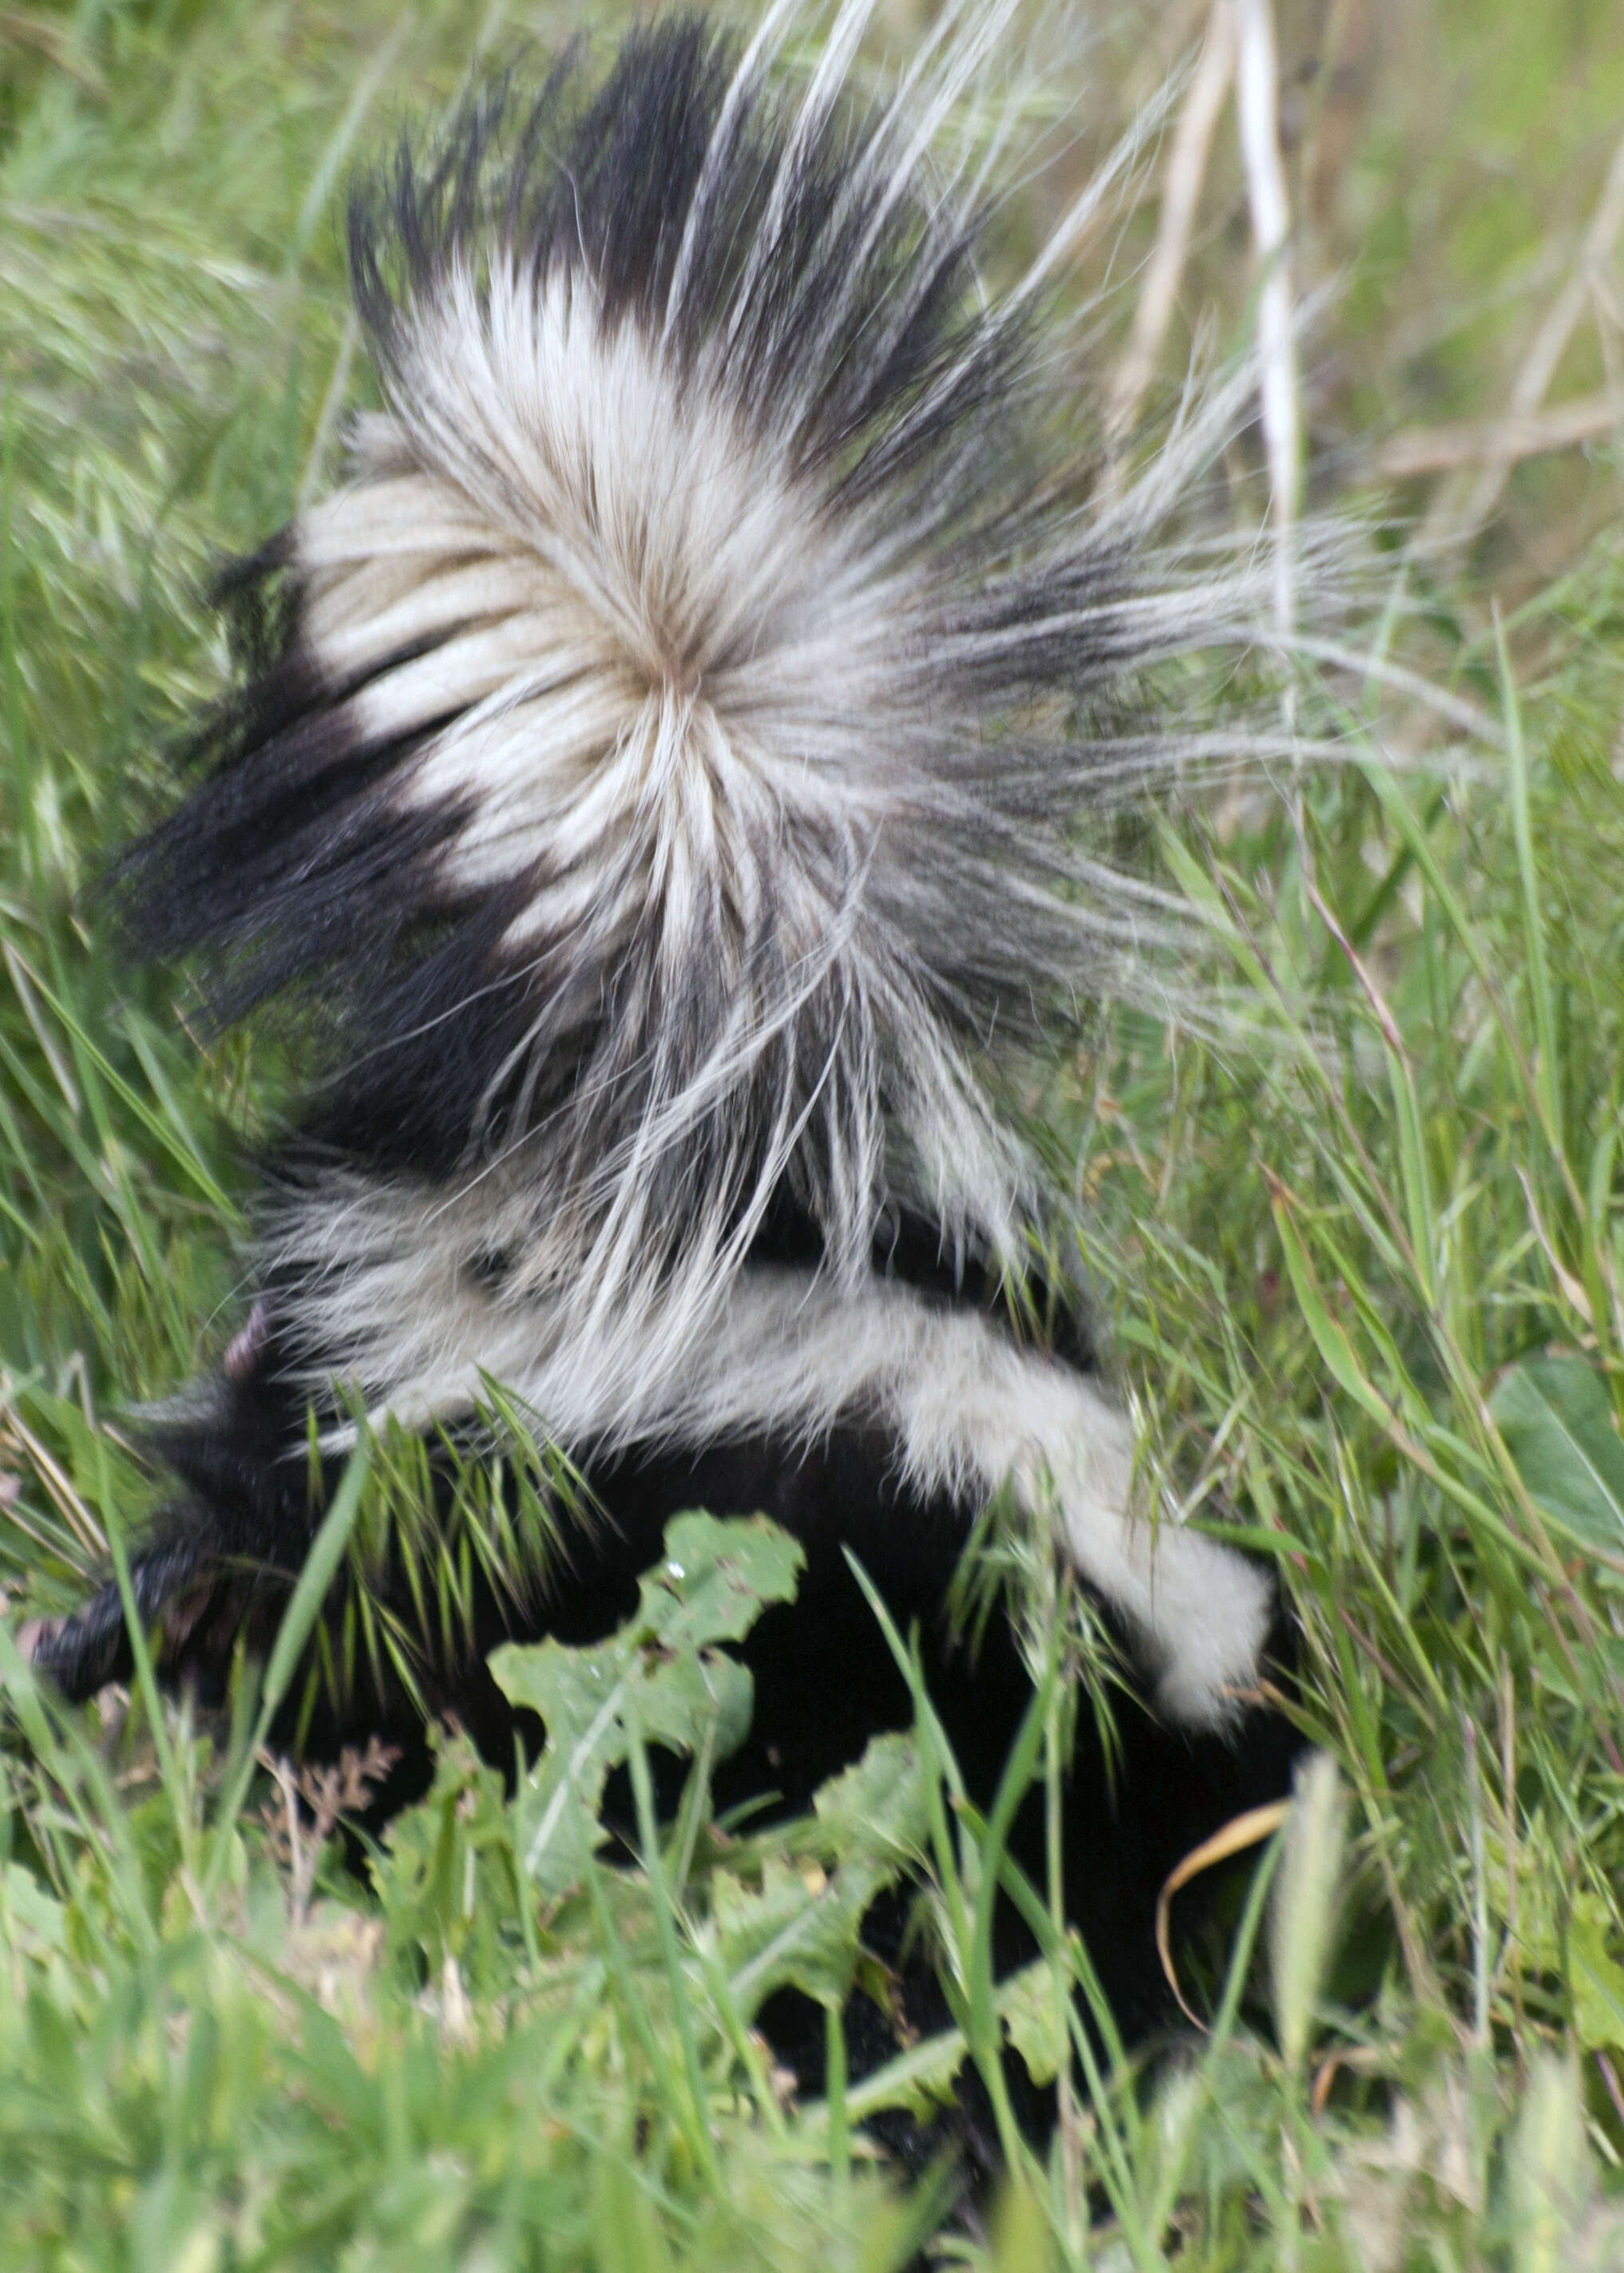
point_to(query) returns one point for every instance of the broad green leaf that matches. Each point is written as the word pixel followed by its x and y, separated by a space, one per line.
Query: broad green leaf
pixel 1027 2001
pixel 1556 1418
pixel 920 2080
pixel 876 1807
pixel 32 1922
pixel 799 1928
pixel 1595 1976
pixel 662 1673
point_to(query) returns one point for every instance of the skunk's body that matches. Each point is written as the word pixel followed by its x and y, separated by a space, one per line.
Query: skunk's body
pixel 673 774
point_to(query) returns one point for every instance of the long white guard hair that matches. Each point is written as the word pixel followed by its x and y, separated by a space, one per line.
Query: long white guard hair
pixel 673 771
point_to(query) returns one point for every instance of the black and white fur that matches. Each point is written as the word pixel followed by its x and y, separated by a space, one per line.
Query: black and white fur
pixel 675 776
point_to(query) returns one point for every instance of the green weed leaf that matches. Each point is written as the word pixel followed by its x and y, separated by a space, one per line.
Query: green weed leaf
pixel 1556 1418
pixel 662 1673
pixel 799 1928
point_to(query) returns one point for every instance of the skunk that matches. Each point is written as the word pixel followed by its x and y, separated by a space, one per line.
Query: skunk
pixel 676 781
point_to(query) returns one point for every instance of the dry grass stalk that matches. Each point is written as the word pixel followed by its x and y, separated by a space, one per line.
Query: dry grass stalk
pixel 1498 443
pixel 1204 100
pixel 1258 109
pixel 1445 523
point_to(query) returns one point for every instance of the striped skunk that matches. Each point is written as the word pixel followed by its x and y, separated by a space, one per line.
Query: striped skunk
pixel 674 780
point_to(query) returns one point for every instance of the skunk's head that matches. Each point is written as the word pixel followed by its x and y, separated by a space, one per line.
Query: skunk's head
pixel 684 765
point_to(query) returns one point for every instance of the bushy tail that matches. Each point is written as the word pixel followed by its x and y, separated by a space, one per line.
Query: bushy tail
pixel 681 753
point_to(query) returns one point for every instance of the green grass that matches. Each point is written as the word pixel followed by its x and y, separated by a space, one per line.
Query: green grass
pixel 1366 1258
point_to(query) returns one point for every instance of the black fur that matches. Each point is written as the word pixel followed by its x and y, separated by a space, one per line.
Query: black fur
pixel 824 1682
